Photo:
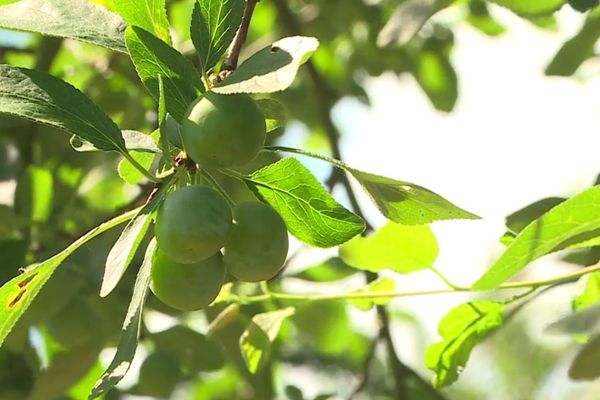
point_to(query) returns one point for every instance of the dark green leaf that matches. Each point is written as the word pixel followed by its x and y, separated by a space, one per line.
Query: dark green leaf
pixel 586 365
pixel 461 330
pixel 576 216
pixel 45 99
pixel 531 7
pixel 214 24
pixel 130 332
pixel 400 248
pixel 309 211
pixel 153 57
pixel 150 15
pixel 74 19
pixel 518 220
pixel 407 203
pixel 584 5
pixel 481 19
pixel 272 69
pixel 134 141
pixel 34 195
pixel 275 113
pixel 255 342
pixel 17 294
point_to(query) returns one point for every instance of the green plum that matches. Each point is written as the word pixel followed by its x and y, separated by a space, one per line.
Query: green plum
pixel 223 130
pixel 186 287
pixel 192 224
pixel 159 374
pixel 257 245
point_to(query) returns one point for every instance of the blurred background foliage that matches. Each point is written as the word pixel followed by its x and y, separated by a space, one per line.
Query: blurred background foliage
pixel 58 350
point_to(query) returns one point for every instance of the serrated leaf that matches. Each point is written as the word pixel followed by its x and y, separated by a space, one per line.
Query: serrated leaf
pixel 122 253
pixel 309 211
pixel 134 141
pixel 17 294
pixel 577 49
pixel 73 19
pixel 275 113
pixel 150 15
pixel 381 285
pixel 44 99
pixel 153 57
pixel 214 24
pixel 130 332
pixel 582 322
pixel 34 194
pixel 255 342
pixel 461 330
pixel 576 216
pixel 407 203
pixel 272 69
pixel 131 174
pixel 330 270
pixel 530 7
pixel 408 19
pixel 399 248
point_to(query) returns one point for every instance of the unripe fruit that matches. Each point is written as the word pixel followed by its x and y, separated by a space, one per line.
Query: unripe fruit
pixel 223 130
pixel 187 287
pixel 159 374
pixel 192 224
pixel 257 245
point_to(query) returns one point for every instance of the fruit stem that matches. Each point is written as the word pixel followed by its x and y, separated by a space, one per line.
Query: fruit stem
pixel 218 186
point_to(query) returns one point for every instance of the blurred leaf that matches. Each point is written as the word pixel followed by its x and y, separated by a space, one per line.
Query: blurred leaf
pixel 35 194
pixel 400 248
pixel 577 49
pixel 12 256
pixel 381 285
pixel 582 322
pixel 329 270
pixel 74 19
pixel 150 15
pixel 130 332
pixel 214 24
pixel 153 57
pixel 408 19
pixel 518 220
pixel 407 203
pixel 134 140
pixel 272 69
pixel 481 19
pixel 437 78
pixel 569 219
pixel 588 293
pixel 461 330
pixel 255 342
pixel 586 365
pixel 275 113
pixel 65 370
pixel 531 7
pixel 45 99
pixel 583 5
pixel 131 174
pixel 309 211
pixel 17 294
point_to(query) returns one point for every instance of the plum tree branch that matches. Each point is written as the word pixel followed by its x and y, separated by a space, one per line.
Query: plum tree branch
pixel 231 62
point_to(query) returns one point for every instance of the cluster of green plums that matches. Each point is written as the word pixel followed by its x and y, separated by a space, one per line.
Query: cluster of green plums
pixel 199 237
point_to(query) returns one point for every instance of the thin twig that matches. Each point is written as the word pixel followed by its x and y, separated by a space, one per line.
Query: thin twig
pixel 240 38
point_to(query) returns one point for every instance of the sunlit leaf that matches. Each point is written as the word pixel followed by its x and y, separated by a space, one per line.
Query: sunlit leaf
pixel 150 15
pixel 380 286
pixel 275 113
pixel 588 293
pixel 329 270
pixel 531 7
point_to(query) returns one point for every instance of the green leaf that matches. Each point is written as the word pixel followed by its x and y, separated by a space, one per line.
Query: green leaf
pixel 531 7
pixel 73 19
pixel 400 248
pixel 17 294
pixel 576 216
pixel 153 57
pixel 122 253
pixel 42 98
pixel 134 141
pixel 577 49
pixel 150 15
pixel 583 5
pixel 275 113
pixel 309 211
pixel 34 194
pixel 461 330
pixel 255 342
pixel 408 19
pixel 582 322
pixel 407 203
pixel 330 270
pixel 518 220
pixel 588 292
pixel 131 174
pixel 214 24
pixel 130 333
pixel 381 285
pixel 481 19
pixel 436 76
pixel 586 365
pixel 272 69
